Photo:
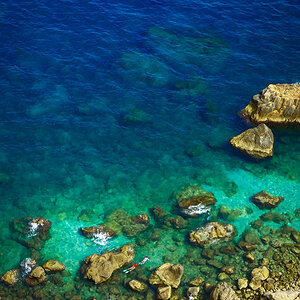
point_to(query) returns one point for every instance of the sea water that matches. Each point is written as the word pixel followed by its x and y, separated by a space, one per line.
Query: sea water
pixel 122 104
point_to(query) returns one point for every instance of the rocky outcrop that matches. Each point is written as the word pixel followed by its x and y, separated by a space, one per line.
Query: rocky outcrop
pixel 283 295
pixel 99 267
pixel 194 201
pixel 266 200
pixel 223 291
pixel 257 276
pixel 116 223
pixel 99 230
pixel 11 277
pixel 278 103
pixel 212 232
pixel 138 286
pixel 36 276
pixel 53 266
pixel 256 142
pixel 32 232
pixel 167 275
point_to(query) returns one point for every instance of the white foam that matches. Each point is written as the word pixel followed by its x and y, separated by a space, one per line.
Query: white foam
pixel 101 238
pixel 196 210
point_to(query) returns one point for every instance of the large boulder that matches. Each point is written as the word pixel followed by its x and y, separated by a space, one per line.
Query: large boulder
pixel 212 232
pixel 266 200
pixel 167 275
pixel 53 266
pixel 36 276
pixel 99 267
pixel 223 291
pixel 193 201
pixel 11 277
pixel 256 142
pixel 32 232
pixel 278 103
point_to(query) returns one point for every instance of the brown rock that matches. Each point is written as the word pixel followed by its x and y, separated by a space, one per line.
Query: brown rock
pixel 212 232
pixel 36 276
pixel 99 267
pixel 249 257
pixel 167 274
pixel 242 283
pixel 278 103
pixel 256 142
pixel 11 277
pixel 266 200
pixel 223 291
pixel 164 292
pixel 138 286
pixel 194 201
pixel 261 273
pixel 141 219
pixel 93 231
pixel 53 266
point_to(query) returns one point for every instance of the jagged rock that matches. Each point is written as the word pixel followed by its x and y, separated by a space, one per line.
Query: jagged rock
pixel 32 232
pixel 99 230
pixel 283 295
pixel 249 257
pixel 194 201
pixel 11 277
pixel 197 281
pixel 36 276
pixel 158 213
pixel 164 292
pixel 223 291
pixel 266 200
pixel 212 232
pixel 256 142
pixel 242 283
pixel 261 273
pixel 192 292
pixel 278 103
pixel 167 274
pixel 99 267
pixel 53 266
pixel 138 286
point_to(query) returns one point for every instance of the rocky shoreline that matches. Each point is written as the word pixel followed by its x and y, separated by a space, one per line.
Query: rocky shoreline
pixel 262 263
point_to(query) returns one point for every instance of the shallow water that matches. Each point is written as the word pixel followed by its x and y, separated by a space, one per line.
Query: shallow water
pixel 123 104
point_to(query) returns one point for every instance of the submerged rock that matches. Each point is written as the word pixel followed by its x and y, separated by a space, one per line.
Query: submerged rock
pixel 278 103
pixel 266 200
pixel 32 232
pixel 138 286
pixel 223 291
pixel 194 201
pixel 36 276
pixel 192 292
pixel 212 232
pixel 99 267
pixel 11 277
pixel 53 266
pixel 256 142
pixel 167 274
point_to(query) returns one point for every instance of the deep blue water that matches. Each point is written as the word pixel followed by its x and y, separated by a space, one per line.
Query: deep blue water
pixel 102 103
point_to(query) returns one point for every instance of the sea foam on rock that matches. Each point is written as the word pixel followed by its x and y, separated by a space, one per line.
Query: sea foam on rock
pixel 277 103
pixel 194 201
pixel 256 142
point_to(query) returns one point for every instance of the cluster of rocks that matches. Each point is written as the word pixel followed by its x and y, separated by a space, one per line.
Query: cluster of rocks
pixel 276 104
pixel 31 273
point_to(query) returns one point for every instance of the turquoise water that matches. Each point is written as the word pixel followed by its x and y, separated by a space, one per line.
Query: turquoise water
pixel 124 104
